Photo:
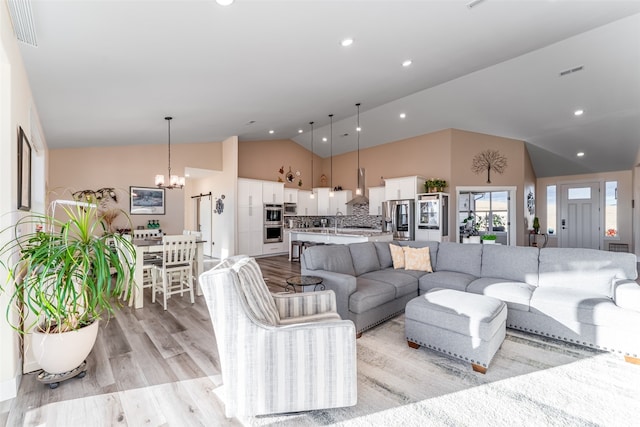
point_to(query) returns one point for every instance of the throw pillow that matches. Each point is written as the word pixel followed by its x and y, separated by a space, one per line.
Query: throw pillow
pixel 417 259
pixel 397 255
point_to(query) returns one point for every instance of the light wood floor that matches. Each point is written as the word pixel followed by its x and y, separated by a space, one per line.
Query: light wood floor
pixel 148 367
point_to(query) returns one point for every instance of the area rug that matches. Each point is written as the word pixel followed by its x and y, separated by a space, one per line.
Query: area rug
pixel 532 381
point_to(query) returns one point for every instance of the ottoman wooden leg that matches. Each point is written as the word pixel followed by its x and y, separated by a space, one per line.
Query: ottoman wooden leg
pixel 478 368
pixel 631 359
pixel 413 345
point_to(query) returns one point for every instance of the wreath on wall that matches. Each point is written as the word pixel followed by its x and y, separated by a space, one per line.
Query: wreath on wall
pixel 290 176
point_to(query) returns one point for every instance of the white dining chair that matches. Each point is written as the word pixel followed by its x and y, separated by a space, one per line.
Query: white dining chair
pixel 176 271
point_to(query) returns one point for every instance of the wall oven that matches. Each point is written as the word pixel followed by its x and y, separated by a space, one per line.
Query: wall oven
pixel 273 214
pixel 272 233
pixel 273 223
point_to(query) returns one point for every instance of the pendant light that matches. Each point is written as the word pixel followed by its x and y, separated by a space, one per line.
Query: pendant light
pixel 359 198
pixel 312 195
pixel 175 181
pixel 331 194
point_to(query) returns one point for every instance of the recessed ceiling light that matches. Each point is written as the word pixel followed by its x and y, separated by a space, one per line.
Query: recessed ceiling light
pixel 272 131
pixel 403 115
pixel 358 129
pixel 224 2
pixel 407 63
pixel 580 154
pixel 346 42
pixel 324 139
pixel 300 130
pixel 578 112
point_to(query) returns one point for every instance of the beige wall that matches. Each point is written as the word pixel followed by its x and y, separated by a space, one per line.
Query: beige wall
pixel 625 195
pixel 223 183
pixel 466 145
pixel 420 155
pixel 263 160
pixel 16 109
pixel 74 169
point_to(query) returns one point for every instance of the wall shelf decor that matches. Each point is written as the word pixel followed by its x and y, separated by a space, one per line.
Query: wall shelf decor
pixel 489 160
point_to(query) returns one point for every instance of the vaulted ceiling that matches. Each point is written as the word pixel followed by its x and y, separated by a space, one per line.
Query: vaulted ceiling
pixel 107 72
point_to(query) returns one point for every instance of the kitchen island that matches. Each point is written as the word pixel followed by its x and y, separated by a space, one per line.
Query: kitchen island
pixel 340 236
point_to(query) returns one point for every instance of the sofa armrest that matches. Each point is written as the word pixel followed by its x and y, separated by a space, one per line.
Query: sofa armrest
pixel 342 284
pixel 305 303
pixel 626 294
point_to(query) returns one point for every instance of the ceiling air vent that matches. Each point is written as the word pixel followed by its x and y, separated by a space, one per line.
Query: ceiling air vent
pixel 22 19
pixel 571 70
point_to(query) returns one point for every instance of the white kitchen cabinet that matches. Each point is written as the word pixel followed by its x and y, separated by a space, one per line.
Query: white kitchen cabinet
pixel 249 192
pixel 250 230
pixel 403 188
pixel 306 205
pixel 338 203
pixel 322 200
pixel 376 197
pixel 332 205
pixel 274 248
pixel 290 195
pixel 273 192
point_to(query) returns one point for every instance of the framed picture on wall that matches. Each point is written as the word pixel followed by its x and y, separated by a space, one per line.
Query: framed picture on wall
pixel 24 171
pixel 146 201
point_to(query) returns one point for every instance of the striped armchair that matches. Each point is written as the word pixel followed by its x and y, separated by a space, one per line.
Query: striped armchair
pixel 278 352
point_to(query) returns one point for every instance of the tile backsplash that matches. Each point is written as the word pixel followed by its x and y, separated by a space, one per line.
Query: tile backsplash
pixel 359 218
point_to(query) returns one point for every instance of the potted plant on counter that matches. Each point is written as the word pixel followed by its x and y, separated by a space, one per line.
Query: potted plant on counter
pixel 489 239
pixel 435 185
pixel 63 276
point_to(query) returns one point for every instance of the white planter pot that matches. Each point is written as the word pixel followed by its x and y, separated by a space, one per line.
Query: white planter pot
pixel 488 242
pixel 61 352
pixel 474 239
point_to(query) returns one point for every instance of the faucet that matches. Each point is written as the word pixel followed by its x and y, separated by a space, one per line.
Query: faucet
pixel 335 221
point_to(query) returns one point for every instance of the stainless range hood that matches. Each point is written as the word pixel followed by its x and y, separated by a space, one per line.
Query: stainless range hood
pixel 360 199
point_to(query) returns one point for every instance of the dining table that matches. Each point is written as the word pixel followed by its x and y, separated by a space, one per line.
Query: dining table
pixel 154 244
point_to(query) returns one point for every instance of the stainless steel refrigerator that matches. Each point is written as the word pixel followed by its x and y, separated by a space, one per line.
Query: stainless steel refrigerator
pixel 399 217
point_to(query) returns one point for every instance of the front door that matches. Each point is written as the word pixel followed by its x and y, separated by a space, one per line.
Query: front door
pixel 580 215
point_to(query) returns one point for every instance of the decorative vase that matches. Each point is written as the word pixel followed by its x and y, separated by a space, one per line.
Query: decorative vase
pixel 58 353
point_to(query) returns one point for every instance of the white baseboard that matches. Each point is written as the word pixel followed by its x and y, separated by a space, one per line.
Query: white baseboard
pixel 9 389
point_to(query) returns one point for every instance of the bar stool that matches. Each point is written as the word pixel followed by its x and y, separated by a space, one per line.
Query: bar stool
pixel 296 248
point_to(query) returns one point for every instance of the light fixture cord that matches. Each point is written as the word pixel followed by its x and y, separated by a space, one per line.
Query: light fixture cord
pixel 358 131
pixel 168 119
pixel 331 152
pixel 311 123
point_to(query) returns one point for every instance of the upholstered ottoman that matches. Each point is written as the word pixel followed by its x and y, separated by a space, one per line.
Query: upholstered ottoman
pixel 467 326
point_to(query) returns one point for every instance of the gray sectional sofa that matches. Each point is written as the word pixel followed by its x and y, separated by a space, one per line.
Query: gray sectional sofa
pixel 584 296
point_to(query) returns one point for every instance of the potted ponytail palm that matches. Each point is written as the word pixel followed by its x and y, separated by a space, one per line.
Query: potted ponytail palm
pixel 68 275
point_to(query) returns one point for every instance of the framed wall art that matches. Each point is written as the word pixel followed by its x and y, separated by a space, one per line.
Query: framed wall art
pixel 147 201
pixel 24 171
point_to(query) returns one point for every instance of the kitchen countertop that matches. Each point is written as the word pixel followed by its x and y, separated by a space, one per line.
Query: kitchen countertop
pixel 342 231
